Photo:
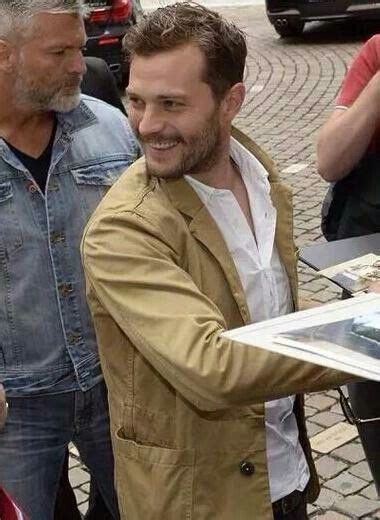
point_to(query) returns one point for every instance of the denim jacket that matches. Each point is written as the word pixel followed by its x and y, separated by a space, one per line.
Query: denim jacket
pixel 47 341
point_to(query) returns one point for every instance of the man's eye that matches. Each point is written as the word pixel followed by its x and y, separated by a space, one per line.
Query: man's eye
pixel 58 52
pixel 135 102
pixel 171 104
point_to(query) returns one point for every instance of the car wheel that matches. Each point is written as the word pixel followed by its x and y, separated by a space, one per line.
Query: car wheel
pixel 287 28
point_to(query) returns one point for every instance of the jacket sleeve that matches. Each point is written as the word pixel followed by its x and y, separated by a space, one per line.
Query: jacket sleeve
pixel 137 279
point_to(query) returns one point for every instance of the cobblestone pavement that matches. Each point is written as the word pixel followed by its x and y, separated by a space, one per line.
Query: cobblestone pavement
pixel 291 87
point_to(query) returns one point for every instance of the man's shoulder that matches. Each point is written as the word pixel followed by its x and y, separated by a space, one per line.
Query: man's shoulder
pixel 109 123
pixel 134 192
pixel 138 199
pixel 92 112
pixel 367 57
pixel 254 149
pixel 98 129
pixel 372 45
pixel 102 110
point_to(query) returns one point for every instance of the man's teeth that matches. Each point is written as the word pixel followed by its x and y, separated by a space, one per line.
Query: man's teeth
pixel 163 146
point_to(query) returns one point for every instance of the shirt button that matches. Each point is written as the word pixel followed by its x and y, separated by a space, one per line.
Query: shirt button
pixel 246 468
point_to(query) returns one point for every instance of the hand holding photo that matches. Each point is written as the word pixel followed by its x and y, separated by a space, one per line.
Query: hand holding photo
pixel 344 335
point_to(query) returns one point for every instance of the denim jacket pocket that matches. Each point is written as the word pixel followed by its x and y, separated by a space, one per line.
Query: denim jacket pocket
pixel 10 231
pixel 93 182
pixel 104 174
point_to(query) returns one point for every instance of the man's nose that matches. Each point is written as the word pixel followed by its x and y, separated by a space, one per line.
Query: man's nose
pixel 151 122
pixel 78 64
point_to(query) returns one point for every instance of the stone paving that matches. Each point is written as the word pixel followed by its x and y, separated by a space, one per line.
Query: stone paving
pixel 291 87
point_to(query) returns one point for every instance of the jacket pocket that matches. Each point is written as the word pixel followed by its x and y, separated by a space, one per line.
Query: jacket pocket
pixel 153 483
pixel 104 174
pixel 93 182
pixel 10 231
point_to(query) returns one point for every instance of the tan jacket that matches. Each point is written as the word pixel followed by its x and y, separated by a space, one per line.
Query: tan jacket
pixel 186 405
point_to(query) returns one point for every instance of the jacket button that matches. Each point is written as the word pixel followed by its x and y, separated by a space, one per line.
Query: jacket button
pixel 57 237
pixel 73 338
pixel 32 188
pixel 246 468
pixel 65 289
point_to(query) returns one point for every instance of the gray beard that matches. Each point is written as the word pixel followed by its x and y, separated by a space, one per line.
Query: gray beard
pixel 60 103
pixel 33 98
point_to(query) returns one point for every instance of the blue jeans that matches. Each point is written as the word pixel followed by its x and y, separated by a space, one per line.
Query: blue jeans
pixel 35 437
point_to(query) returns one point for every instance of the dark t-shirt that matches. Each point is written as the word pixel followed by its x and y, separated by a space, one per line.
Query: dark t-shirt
pixel 38 167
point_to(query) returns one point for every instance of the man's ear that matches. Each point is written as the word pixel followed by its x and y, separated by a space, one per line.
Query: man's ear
pixel 233 100
pixel 5 56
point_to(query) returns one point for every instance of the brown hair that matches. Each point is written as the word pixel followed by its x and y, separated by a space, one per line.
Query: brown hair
pixel 222 43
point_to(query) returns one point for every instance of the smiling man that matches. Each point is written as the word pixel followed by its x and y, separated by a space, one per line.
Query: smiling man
pixel 187 138
pixel 196 238
pixel 59 153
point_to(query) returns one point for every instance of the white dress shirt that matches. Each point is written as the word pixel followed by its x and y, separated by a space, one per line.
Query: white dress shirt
pixel 267 292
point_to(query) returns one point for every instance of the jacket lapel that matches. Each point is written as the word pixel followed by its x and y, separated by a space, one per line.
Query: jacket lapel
pixel 282 200
pixel 204 229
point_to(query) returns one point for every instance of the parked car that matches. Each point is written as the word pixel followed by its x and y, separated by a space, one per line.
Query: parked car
pixel 289 16
pixel 106 22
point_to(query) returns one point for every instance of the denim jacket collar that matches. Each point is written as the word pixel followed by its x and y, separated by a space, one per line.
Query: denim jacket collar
pixel 81 117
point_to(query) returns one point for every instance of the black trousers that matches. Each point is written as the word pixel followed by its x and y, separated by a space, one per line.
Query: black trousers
pixel 365 402
pixel 293 507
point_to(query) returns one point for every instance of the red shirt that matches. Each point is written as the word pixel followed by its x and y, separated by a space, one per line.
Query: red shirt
pixel 365 65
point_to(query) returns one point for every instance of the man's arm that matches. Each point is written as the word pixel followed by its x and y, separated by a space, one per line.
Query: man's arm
pixel 134 274
pixel 345 137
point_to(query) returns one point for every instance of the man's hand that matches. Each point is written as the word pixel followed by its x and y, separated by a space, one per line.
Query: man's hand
pixel 3 406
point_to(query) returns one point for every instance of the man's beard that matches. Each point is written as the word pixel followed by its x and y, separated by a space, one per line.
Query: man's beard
pixel 40 98
pixel 201 154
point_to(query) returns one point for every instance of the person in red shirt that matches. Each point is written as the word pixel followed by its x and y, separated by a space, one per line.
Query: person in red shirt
pixel 351 136
pixel 353 128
